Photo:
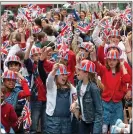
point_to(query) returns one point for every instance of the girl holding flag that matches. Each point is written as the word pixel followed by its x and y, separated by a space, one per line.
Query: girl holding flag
pixel 60 94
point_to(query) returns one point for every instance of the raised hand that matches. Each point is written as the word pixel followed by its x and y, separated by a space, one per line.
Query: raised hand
pixel 20 77
pixel 55 67
pixel 45 51
pixel 93 54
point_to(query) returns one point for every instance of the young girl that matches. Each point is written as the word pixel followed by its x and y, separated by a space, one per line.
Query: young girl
pixel 109 37
pixel 85 49
pixel 84 53
pixel 59 98
pixel 114 76
pixel 89 99
pixel 67 58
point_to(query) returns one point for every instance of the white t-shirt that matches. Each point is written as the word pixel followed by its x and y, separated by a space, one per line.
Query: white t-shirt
pixel 82 93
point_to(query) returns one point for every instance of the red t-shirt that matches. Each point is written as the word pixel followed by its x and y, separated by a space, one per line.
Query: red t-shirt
pixel 114 85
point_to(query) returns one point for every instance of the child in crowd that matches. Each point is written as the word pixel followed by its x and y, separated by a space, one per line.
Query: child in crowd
pixel 89 99
pixel 14 64
pixel 85 49
pixel 84 53
pixel 115 78
pixel 38 88
pixel 59 98
pixel 110 36
pixel 66 57
pixel 8 116
pixel 13 93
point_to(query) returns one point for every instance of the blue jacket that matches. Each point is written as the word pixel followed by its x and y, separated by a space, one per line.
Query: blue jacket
pixel 13 97
pixel 92 106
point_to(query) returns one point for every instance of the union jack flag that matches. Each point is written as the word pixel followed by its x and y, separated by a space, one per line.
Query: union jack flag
pixel 105 33
pixel 126 16
pixel 41 10
pixel 64 30
pixel 106 24
pixel 28 15
pixel 58 39
pixel 64 47
pixel 85 29
pixel 82 29
pixel 4 53
pixel 26 114
pixel 5 44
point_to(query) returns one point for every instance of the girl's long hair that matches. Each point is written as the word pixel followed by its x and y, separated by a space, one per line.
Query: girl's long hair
pixel 117 68
pixel 93 78
pixel 67 84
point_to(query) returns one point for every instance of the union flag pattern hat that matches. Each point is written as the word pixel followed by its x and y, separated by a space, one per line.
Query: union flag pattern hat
pixel 9 75
pixel 114 33
pixel 112 54
pixel 87 65
pixel 13 58
pixel 113 46
pixel 86 45
pixel 62 70
pixel 35 50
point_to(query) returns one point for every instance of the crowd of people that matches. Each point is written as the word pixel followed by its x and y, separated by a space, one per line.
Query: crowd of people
pixel 67 73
